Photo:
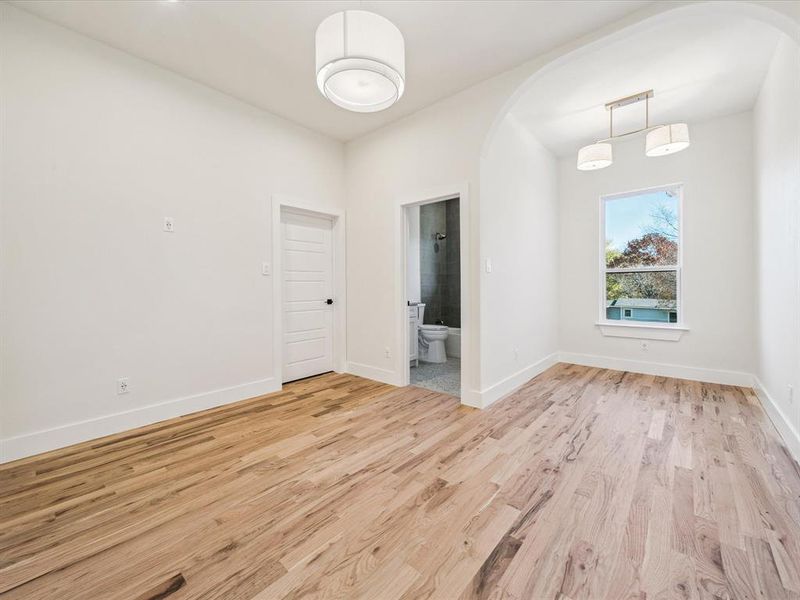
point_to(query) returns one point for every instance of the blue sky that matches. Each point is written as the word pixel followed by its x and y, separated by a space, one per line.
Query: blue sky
pixel 628 218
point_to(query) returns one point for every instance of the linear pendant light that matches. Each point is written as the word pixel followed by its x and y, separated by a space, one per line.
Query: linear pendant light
pixel 360 59
pixel 661 139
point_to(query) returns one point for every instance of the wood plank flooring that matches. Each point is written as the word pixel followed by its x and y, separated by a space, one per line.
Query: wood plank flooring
pixel 585 483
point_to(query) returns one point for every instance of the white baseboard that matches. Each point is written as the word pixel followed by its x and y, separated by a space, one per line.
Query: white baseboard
pixel 662 369
pixel 502 388
pixel 73 433
pixel 783 424
pixel 374 373
pixel 471 398
pixel 59 437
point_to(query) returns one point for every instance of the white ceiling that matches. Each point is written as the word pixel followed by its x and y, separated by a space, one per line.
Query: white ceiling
pixel 263 52
pixel 699 67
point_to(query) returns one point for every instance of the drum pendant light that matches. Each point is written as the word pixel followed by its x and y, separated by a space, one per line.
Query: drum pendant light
pixel 360 61
pixel 668 139
pixel 595 156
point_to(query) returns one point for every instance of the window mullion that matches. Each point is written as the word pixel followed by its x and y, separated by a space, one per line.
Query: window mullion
pixel 659 269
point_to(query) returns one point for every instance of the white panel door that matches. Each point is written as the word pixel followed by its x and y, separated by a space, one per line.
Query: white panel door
pixel 307 271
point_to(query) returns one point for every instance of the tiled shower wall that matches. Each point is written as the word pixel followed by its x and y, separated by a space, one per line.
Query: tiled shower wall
pixel 440 265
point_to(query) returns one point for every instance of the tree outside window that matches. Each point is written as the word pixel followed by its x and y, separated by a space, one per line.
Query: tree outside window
pixel 641 270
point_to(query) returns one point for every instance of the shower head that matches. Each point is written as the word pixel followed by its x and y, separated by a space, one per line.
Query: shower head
pixel 440 236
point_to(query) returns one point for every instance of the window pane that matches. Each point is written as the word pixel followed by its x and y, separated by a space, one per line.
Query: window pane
pixel 642 230
pixel 644 296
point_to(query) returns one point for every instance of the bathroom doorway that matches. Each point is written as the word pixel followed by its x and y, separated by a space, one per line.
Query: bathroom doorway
pixel 433 294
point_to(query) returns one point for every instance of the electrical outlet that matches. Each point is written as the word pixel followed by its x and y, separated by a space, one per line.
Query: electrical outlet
pixel 387 352
pixel 169 224
pixel 266 269
pixel 644 346
pixel 122 385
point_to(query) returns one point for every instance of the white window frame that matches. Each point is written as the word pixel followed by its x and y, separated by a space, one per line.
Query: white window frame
pixel 642 329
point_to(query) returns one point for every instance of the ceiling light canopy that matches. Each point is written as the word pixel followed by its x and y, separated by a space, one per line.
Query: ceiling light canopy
pixel 361 62
pixel 661 139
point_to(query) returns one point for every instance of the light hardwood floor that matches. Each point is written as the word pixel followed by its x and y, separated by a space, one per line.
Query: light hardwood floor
pixel 585 483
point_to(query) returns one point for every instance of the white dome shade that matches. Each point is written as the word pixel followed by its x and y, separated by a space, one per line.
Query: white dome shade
pixel 595 156
pixel 667 139
pixel 361 63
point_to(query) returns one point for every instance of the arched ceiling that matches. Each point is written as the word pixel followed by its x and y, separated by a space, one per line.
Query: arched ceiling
pixel 700 66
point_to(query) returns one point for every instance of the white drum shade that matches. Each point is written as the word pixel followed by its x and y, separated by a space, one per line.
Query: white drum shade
pixel 668 139
pixel 595 156
pixel 361 63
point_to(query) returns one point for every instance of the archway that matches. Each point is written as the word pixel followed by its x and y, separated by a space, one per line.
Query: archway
pixel 508 203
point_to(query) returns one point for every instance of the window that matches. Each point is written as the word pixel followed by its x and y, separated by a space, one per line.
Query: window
pixel 641 257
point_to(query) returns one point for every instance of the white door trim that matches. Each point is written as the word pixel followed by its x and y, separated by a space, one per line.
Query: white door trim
pixel 281 202
pixel 468 341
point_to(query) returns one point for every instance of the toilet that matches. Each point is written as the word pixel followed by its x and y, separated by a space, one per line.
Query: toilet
pixel 431 340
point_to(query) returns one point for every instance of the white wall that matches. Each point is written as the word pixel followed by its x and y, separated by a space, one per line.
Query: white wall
pixel 777 184
pixel 434 149
pixel 719 269
pixel 519 234
pixel 97 148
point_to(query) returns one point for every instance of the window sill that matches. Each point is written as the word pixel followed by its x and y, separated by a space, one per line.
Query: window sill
pixel 642 331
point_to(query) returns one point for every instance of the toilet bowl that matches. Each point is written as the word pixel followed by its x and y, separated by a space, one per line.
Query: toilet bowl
pixel 431 343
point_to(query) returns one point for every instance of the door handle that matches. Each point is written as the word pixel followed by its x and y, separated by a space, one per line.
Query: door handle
pixel 329 301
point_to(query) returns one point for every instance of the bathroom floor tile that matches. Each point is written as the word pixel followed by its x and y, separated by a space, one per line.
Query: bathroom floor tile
pixel 440 377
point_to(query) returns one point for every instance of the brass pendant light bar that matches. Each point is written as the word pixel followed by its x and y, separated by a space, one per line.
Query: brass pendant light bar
pixel 627 100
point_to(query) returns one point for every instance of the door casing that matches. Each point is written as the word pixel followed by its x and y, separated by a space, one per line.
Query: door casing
pixel 282 202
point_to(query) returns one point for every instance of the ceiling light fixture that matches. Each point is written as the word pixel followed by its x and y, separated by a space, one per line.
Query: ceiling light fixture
pixel 661 139
pixel 595 156
pixel 361 62
pixel 668 139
